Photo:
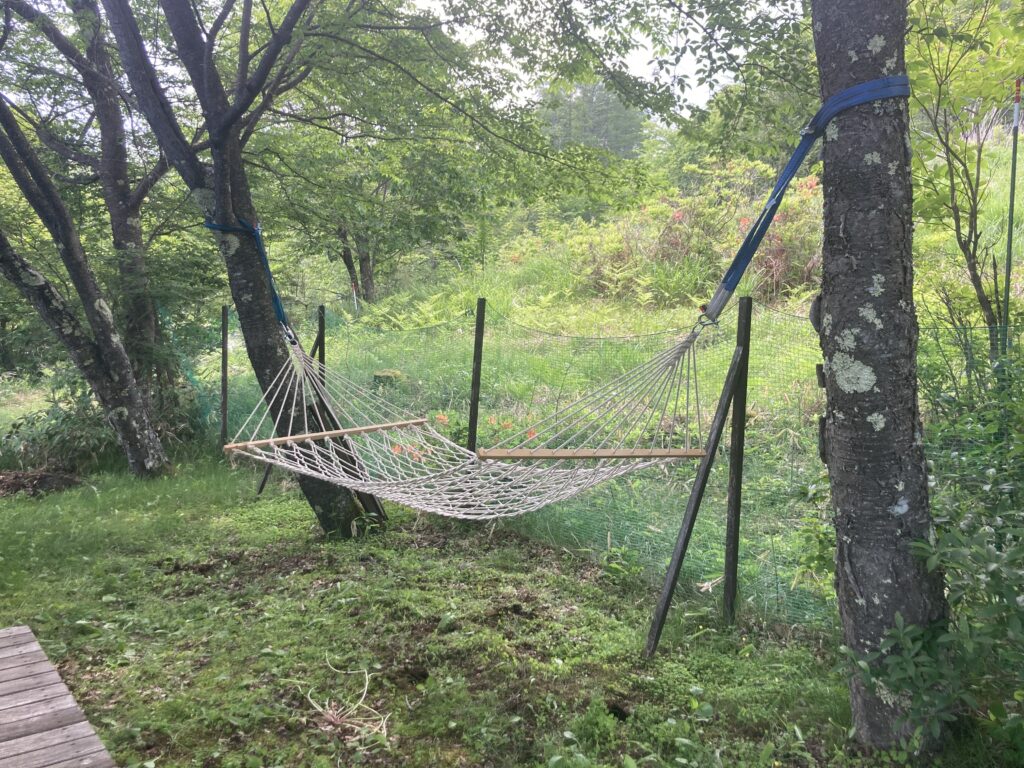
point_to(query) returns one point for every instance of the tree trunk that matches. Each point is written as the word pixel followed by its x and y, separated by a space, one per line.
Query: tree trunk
pixel 869 340
pixel 364 252
pixel 108 370
pixel 103 364
pixel 222 193
pixel 346 257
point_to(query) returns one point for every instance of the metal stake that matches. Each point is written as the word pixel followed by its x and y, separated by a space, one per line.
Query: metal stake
pixel 474 390
pixel 739 428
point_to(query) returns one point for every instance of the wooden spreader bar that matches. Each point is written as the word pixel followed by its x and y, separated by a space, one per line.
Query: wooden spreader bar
pixel 323 435
pixel 589 453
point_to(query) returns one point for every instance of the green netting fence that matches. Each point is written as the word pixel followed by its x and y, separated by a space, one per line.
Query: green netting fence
pixel 631 523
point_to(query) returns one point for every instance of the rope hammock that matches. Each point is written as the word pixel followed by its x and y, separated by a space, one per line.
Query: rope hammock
pixel 317 422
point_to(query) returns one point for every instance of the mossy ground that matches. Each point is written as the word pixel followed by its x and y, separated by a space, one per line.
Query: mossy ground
pixel 201 626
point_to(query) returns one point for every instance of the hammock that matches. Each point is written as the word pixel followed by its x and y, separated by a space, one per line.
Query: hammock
pixel 331 427
pixel 319 423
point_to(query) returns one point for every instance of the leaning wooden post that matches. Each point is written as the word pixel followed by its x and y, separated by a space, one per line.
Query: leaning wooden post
pixel 321 334
pixel 693 506
pixel 224 374
pixel 739 428
pixel 474 391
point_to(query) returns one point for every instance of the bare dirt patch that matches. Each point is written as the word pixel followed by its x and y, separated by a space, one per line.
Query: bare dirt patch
pixel 35 482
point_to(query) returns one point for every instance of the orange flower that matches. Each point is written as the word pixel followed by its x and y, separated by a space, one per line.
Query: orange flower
pixel 441 418
pixel 531 433
pixel 506 425
pixel 396 448
pixel 492 420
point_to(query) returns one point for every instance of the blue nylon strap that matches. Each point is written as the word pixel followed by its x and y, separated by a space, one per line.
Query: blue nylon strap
pixel 862 93
pixel 257 234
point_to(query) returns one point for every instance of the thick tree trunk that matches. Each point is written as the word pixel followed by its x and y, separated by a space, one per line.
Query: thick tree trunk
pixel 335 508
pixel 223 194
pixel 138 309
pixel 869 340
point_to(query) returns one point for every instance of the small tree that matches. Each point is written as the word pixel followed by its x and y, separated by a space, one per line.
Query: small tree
pixel 961 72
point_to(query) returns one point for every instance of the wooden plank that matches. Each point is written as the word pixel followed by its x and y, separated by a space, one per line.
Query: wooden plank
pixel 18 650
pixel 589 453
pixel 95 760
pixel 41 725
pixel 24 746
pixel 27 683
pixel 32 695
pixel 35 708
pixel 78 752
pixel 25 670
pixel 65 751
pixel 48 721
pixel 322 435
pixel 12 640
pixel 25 658
pixel 21 629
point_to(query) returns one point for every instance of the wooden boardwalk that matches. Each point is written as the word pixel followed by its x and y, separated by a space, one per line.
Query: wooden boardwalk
pixel 41 726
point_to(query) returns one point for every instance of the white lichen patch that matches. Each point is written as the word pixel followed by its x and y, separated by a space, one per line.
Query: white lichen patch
pixel 877 285
pixel 103 309
pixel 31 277
pixel 900 508
pixel 872 158
pixel 890 64
pixel 204 200
pixel 893 167
pixel 850 374
pixel 831 131
pixel 892 700
pixel 853 56
pixel 228 244
pixel 826 324
pixel 877 421
pixel 869 314
pixel 134 221
pixel 847 340
pixel 876 44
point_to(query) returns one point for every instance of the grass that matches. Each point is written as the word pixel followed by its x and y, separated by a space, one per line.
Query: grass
pixel 17 400
pixel 201 626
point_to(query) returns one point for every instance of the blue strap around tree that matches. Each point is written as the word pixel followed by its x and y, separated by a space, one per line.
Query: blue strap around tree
pixel 862 93
pixel 245 228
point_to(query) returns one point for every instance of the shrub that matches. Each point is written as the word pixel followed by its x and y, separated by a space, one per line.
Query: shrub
pixel 975 662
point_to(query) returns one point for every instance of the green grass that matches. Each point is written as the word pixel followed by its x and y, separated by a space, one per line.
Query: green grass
pixel 17 400
pixel 197 625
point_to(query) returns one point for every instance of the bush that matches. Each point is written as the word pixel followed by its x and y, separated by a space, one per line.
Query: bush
pixel 72 434
pixel 976 662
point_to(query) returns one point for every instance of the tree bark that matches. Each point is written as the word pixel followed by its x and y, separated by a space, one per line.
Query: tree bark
pixel 869 339
pixel 222 193
pixel 346 257
pixel 364 253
